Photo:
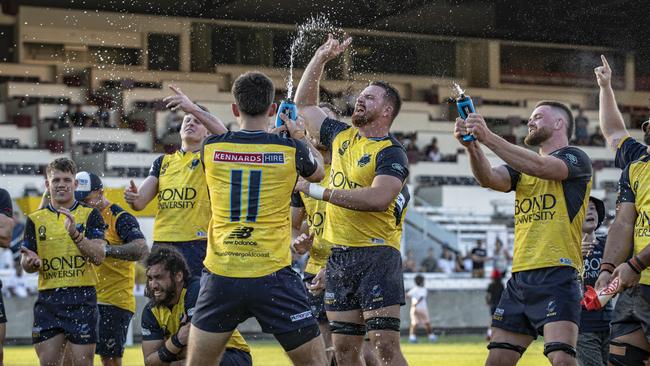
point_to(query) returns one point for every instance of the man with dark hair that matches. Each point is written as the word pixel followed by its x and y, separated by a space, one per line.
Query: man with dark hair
pixel 178 181
pixel 250 175
pixel 116 275
pixel 63 242
pixel 166 318
pixel 552 190
pixel 366 199
pixel 6 233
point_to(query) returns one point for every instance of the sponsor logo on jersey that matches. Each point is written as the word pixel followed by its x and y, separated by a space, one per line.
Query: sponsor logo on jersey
pixel 248 158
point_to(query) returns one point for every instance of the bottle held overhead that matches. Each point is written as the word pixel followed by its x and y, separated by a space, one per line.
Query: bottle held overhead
pixel 465 106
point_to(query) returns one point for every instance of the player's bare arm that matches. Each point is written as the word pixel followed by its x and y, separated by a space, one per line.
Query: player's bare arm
pixel 150 350
pixel 132 251
pixel 30 261
pixel 519 158
pixel 307 91
pixel 611 121
pixel 139 197
pixel 297 130
pixel 180 101
pixel 619 242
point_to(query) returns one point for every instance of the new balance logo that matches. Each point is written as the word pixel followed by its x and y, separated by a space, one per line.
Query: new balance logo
pixel 243 232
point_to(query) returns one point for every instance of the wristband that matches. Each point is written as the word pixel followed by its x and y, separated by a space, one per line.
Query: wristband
pixel 611 265
pixel 316 191
pixel 166 355
pixel 75 236
pixel 639 263
pixel 177 342
pixel 633 268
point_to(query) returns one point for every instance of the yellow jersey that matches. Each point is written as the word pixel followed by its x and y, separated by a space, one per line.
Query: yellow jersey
pixel 183 204
pixel 315 209
pixel 116 277
pixel 549 214
pixel 63 265
pixel 161 322
pixel 250 177
pixel 356 161
pixel 633 189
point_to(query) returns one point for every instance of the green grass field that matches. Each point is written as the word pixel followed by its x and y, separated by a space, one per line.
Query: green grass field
pixel 449 350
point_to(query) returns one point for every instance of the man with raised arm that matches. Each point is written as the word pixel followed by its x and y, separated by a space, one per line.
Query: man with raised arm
pixel 367 197
pixel 178 180
pixel 552 190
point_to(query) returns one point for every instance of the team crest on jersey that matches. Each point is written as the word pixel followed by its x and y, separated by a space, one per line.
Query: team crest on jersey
pixel 194 164
pixel 248 158
pixel 41 232
pixel 344 146
pixel 163 168
pixel 365 159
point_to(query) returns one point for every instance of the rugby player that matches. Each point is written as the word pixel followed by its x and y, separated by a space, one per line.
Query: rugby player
pixel 116 275
pixel 366 199
pixel 166 318
pixel 179 183
pixel 250 176
pixel 64 242
pixel 6 230
pixel 552 190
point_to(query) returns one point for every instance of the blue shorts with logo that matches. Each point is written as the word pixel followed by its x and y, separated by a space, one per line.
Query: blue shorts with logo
pixel 316 302
pixel 534 298
pixel 192 251
pixel 113 327
pixel 278 301
pixel 70 311
pixel 364 278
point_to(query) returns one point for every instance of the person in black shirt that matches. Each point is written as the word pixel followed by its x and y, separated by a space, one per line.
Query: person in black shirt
pixel 479 257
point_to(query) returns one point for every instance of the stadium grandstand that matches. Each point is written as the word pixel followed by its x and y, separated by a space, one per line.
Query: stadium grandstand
pixel 86 80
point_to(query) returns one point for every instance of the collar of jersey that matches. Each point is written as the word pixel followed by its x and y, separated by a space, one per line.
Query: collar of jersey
pixel 249 131
pixel 51 208
pixel 373 138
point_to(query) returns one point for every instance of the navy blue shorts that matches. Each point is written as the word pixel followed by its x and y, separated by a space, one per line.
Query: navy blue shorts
pixel 364 278
pixel 113 326
pixel 192 251
pixel 278 302
pixel 536 297
pixel 316 302
pixel 236 357
pixel 70 311
pixel 632 312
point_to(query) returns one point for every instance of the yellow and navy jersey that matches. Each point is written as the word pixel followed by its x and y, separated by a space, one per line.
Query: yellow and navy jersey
pixel 549 214
pixel 356 161
pixel 116 277
pixel 63 265
pixel 161 322
pixel 250 177
pixel 183 203
pixel 315 210
pixel 633 189
pixel 629 150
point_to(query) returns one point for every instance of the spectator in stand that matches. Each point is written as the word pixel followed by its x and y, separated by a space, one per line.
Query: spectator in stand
pixel 494 291
pixel 479 257
pixel 430 263
pixel 464 263
pixel 446 263
pixel 78 117
pixel 597 139
pixel 63 121
pixel 102 116
pixel 409 263
pixel 501 258
pixel 432 152
pixel 90 122
pixel 582 132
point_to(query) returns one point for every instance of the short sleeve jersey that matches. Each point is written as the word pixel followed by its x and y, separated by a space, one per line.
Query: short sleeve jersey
pixel 116 277
pixel 356 161
pixel 183 204
pixel 161 322
pixel 633 188
pixel 549 214
pixel 63 265
pixel 250 177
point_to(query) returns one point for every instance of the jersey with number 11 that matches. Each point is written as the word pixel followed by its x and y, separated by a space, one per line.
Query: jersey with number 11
pixel 250 178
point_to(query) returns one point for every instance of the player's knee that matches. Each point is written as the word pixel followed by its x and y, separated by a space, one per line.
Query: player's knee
pixel 296 338
pixel 503 353
pixel 623 354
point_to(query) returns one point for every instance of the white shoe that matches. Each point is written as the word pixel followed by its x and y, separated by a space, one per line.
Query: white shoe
pixel 413 339
pixel 433 337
